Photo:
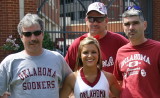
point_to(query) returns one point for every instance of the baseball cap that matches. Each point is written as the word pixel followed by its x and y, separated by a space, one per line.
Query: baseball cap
pixel 97 6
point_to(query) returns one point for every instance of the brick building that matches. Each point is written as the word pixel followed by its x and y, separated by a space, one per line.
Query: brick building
pixel 11 11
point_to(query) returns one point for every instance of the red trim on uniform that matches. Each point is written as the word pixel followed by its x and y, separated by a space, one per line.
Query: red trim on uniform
pixel 86 81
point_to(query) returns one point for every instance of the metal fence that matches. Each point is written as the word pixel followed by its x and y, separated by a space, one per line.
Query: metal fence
pixel 64 19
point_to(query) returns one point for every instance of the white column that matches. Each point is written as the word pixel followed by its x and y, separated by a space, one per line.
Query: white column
pixel 21 8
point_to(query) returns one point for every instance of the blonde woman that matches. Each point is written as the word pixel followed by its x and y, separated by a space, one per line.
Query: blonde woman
pixel 89 81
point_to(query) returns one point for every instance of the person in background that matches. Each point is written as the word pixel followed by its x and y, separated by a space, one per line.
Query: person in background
pixel 34 72
pixel 96 20
pixel 89 81
pixel 138 62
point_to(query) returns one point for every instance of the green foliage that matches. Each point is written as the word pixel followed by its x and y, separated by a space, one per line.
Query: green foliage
pixel 21 47
pixel 47 42
pixel 10 44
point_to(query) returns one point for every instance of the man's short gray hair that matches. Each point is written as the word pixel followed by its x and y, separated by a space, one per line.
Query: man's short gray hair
pixel 133 12
pixel 30 20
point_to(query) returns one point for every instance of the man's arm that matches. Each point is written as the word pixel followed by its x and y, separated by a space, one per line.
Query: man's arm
pixel 72 54
pixel 5 95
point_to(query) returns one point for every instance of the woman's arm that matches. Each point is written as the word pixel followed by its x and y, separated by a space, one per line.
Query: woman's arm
pixel 115 88
pixel 68 86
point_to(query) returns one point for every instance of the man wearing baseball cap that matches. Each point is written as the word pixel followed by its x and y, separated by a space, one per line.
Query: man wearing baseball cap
pixel 97 6
pixel 96 20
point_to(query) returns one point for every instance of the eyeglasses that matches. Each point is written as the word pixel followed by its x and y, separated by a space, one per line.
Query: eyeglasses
pixel 97 19
pixel 133 7
pixel 28 34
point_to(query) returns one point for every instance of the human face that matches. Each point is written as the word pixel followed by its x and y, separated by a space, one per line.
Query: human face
pixel 32 44
pixel 89 55
pixel 134 28
pixel 96 28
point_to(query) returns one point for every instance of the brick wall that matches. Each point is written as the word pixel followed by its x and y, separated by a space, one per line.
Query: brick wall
pixel 9 19
pixel 9 15
pixel 30 6
pixel 156 20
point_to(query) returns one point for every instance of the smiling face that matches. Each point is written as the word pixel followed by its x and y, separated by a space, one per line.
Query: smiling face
pixel 96 27
pixel 134 28
pixel 32 44
pixel 89 55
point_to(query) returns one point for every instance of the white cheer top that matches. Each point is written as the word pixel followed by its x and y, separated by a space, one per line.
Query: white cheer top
pixel 98 89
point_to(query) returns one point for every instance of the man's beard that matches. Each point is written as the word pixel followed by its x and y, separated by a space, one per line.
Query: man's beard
pixel 33 42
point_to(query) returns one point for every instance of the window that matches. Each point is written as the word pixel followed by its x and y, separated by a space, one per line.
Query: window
pixel 51 3
pixel 82 14
pixel 67 1
pixel 71 14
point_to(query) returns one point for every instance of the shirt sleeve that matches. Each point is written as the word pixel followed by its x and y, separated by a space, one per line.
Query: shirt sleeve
pixel 71 57
pixel 66 70
pixel 72 54
pixel 4 76
pixel 117 72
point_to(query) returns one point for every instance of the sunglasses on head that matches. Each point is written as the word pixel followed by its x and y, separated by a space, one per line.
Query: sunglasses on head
pixel 133 7
pixel 28 34
pixel 97 19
